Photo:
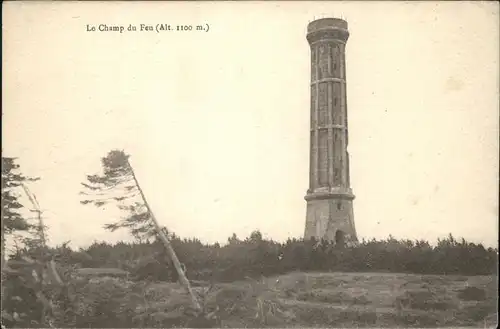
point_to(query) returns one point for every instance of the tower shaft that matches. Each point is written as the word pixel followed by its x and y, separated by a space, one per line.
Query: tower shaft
pixel 329 197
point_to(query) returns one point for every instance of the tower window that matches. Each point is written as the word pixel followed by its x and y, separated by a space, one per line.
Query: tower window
pixel 335 101
pixel 339 205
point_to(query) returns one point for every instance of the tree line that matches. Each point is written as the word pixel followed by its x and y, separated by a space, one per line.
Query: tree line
pixel 255 257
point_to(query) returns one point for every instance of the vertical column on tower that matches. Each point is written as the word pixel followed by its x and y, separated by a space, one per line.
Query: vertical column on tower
pixel 331 96
pixel 322 111
pixel 313 165
pixel 346 125
pixel 342 114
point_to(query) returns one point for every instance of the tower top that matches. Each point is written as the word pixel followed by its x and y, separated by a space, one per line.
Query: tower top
pixel 327 28
pixel 327 23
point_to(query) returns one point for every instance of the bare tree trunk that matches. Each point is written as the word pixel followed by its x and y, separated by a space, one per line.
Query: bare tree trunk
pixel 182 276
pixel 44 263
pixel 41 235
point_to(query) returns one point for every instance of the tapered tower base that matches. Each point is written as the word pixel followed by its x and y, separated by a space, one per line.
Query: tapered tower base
pixel 330 217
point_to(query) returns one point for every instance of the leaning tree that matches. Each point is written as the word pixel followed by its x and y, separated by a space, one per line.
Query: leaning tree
pixel 119 184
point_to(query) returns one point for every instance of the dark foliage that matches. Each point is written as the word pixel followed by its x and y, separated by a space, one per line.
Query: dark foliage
pixel 255 257
pixel 117 185
pixel 12 179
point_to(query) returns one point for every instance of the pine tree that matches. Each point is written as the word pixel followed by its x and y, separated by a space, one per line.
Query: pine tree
pixel 120 184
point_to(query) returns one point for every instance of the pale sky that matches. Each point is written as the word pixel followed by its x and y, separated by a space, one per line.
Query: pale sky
pixel 217 122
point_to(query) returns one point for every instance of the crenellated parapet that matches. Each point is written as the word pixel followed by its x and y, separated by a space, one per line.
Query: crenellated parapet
pixel 326 29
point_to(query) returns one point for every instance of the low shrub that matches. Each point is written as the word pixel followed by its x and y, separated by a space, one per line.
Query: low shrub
pixel 472 293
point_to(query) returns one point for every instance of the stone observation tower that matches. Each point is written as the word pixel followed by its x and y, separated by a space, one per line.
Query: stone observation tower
pixel 329 197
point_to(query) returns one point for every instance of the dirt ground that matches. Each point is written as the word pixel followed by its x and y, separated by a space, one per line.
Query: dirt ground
pixel 355 300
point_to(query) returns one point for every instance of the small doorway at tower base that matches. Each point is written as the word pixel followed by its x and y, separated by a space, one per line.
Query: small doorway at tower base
pixel 340 239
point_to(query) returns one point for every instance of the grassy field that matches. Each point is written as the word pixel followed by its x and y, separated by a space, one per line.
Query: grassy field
pixel 348 300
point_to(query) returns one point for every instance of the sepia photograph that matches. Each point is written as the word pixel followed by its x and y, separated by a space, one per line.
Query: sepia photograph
pixel 250 164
